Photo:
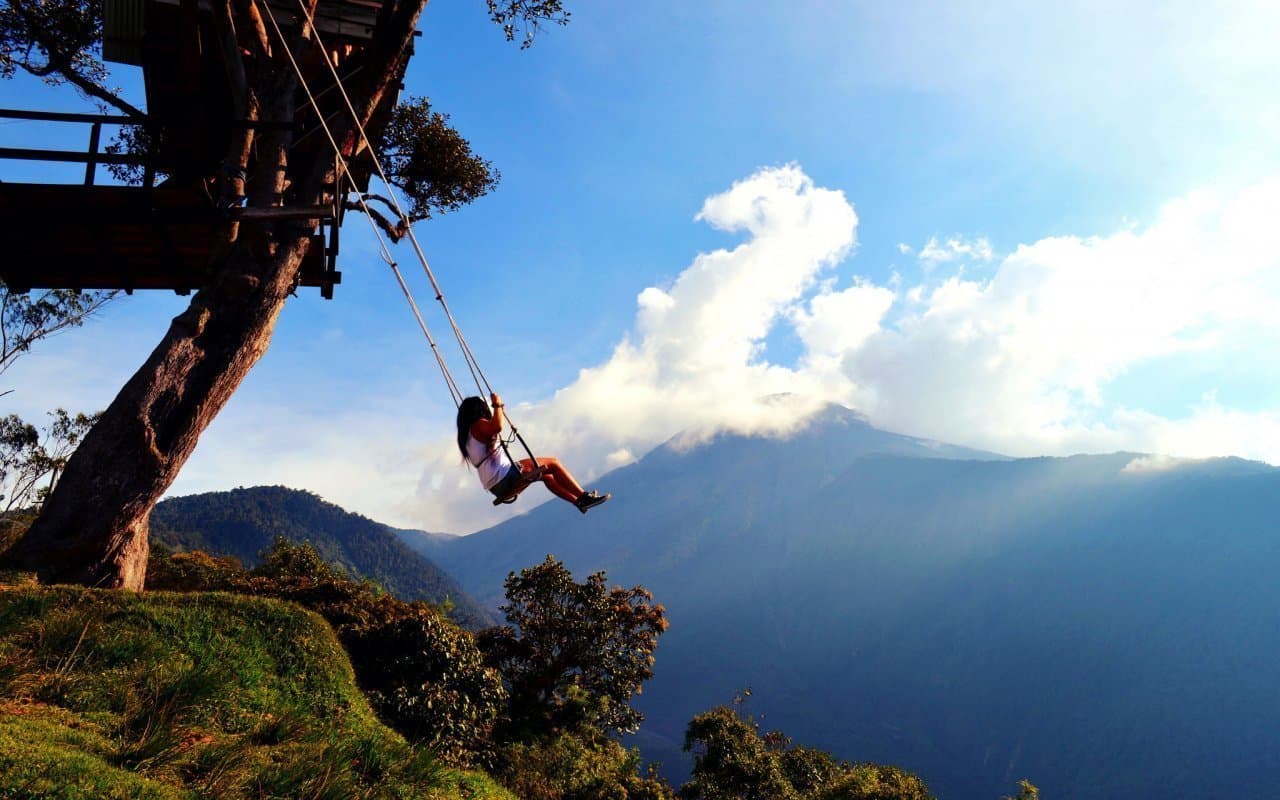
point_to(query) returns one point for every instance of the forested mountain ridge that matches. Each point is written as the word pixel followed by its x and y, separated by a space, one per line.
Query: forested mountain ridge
pixel 243 523
pixel 1096 622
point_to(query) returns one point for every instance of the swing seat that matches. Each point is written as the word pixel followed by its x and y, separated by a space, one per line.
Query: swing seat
pixel 526 479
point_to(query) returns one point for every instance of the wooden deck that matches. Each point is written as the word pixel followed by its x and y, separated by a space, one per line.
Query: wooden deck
pixel 118 237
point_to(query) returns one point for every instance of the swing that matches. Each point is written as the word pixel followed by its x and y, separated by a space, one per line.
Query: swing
pixel 482 383
pixel 527 479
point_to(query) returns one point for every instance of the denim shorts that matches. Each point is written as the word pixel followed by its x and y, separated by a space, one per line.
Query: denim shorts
pixel 509 482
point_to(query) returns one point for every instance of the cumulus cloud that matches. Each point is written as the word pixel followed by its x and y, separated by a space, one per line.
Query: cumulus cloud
pixel 1019 362
pixel 954 248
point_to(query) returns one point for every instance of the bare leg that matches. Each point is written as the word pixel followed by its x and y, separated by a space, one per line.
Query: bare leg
pixel 556 478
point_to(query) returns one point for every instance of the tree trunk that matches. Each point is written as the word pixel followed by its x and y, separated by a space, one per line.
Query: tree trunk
pixel 94 527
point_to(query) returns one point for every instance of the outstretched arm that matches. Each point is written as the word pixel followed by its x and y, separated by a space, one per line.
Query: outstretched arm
pixel 488 429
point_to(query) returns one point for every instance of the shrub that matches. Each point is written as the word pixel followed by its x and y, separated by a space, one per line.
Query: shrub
pixel 732 760
pixel 424 675
pixel 193 571
pixel 875 782
pixel 575 767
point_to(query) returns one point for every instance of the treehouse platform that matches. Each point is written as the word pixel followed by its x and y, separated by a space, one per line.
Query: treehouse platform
pixel 121 237
pixel 155 223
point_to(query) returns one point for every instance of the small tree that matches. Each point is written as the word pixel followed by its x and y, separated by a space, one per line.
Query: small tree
pixel 569 767
pixel 733 760
pixel 31 460
pixel 572 654
pixel 1026 791
pixel 27 317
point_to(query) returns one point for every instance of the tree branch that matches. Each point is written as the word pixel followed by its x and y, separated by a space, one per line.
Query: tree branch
pixel 232 61
pixel 94 90
pixel 405 220
pixel 26 320
pixel 62 62
pixel 395 232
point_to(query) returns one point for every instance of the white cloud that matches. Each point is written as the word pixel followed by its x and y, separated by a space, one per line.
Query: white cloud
pixel 1156 463
pixel 1019 362
pixel 364 457
pixel 955 248
pixel 619 458
pixel 1208 431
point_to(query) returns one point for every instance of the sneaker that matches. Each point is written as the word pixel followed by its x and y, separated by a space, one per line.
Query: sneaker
pixel 591 499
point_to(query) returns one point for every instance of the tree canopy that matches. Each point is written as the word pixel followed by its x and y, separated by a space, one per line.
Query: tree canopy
pixel 573 654
pixel 733 760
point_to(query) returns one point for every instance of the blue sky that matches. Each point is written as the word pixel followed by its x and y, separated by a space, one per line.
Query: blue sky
pixel 1029 229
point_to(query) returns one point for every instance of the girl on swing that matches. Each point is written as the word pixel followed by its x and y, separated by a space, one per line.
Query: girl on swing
pixel 479 439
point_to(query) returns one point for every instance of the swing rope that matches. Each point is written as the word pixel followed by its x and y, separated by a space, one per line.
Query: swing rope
pixel 473 365
pixel 477 374
pixel 384 250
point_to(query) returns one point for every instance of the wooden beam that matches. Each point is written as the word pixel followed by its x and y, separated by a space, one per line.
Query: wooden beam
pixel 266 125
pixel 55 116
pixel 24 154
pixel 91 166
pixel 282 212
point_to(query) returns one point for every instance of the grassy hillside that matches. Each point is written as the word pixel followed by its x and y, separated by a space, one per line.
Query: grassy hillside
pixel 120 695
pixel 244 522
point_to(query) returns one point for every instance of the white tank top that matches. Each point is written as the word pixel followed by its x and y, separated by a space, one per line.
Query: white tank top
pixel 491 463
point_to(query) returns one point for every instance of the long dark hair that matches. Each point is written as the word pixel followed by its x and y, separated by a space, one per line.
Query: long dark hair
pixel 469 411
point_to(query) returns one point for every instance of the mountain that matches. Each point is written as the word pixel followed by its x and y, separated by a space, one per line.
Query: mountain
pixel 244 522
pixel 676 497
pixel 1105 625
pixel 423 542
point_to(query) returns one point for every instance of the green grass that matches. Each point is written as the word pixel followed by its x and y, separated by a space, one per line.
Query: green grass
pixel 108 694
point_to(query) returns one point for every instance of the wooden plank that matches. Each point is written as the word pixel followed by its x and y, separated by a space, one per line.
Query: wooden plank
pixel 57 116
pixel 345 18
pixel 24 154
pixel 282 212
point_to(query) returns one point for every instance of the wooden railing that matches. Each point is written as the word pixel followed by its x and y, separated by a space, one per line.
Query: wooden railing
pixel 90 157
